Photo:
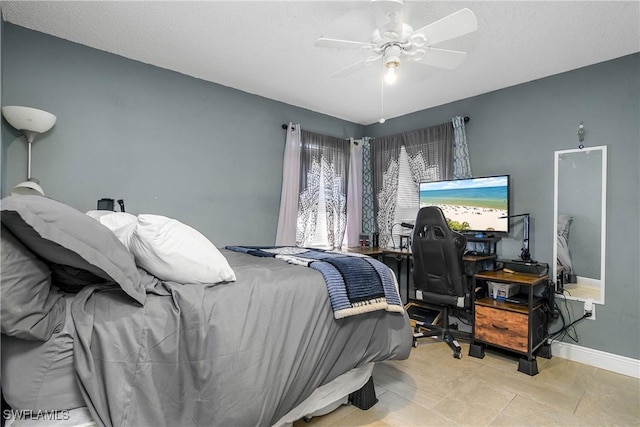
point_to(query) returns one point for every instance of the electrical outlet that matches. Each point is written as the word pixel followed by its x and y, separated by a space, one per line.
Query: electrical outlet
pixel 589 307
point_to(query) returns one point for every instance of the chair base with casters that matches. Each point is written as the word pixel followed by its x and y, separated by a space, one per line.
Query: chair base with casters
pixel 443 331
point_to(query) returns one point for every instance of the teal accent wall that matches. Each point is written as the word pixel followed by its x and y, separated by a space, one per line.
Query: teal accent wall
pixel 211 156
pixel 516 131
pixel 207 155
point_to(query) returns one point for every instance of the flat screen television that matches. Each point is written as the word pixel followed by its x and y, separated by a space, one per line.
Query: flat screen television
pixel 471 205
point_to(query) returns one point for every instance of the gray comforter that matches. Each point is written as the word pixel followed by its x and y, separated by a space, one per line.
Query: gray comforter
pixel 236 354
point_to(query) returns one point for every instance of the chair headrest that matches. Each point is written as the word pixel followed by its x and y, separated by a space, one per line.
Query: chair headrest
pixel 432 224
pixel 432 215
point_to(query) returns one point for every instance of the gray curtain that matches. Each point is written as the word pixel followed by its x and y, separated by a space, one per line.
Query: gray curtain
pixel 324 166
pixel 399 163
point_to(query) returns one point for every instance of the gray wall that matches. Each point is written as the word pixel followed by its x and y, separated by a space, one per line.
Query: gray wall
pixel 516 131
pixel 212 156
pixel 164 142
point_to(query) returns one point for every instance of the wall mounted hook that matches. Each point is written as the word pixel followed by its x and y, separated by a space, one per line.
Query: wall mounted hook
pixel 581 133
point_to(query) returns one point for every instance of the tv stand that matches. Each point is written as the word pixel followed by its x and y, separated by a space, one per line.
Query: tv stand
pixel 468 234
pixel 481 260
pixel 489 242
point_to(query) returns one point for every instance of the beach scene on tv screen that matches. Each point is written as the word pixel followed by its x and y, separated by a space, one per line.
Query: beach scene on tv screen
pixel 470 204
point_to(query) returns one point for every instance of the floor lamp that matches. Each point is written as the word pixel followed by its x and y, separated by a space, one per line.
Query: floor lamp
pixel 31 122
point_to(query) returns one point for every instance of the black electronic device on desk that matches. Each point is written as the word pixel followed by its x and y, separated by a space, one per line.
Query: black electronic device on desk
pixel 530 267
pixel 107 204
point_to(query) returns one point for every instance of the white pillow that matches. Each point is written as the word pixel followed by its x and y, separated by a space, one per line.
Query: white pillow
pixel 121 223
pixel 171 250
pixel 99 214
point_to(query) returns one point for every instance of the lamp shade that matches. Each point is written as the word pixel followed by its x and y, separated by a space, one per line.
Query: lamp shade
pixel 28 188
pixel 29 119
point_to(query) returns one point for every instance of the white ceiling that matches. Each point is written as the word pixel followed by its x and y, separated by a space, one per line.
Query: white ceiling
pixel 267 47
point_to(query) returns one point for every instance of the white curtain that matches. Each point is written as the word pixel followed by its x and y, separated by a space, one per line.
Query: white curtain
pixel 354 194
pixel 287 220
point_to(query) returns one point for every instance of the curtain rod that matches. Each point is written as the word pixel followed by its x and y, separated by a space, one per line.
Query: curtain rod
pixel 466 120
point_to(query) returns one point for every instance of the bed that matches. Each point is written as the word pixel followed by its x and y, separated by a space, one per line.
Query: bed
pixel 90 337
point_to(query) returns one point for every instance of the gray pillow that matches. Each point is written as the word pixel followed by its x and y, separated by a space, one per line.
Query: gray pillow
pixel 62 235
pixel 30 308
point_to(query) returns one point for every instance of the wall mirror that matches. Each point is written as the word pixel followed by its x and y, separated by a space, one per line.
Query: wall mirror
pixel 580 199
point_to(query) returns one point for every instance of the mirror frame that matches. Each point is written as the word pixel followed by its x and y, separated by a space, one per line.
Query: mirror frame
pixel 603 218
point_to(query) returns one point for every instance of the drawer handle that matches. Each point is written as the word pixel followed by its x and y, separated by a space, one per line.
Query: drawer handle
pixel 502 328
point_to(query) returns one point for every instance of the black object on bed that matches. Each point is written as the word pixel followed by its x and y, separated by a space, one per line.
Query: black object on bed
pixel 147 352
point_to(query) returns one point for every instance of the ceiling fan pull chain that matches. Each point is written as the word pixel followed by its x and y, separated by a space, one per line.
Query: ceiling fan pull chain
pixel 382 119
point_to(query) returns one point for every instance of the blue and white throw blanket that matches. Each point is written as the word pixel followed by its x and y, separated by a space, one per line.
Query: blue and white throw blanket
pixel 356 283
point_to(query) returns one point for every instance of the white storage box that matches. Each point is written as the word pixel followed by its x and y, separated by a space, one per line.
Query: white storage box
pixel 502 290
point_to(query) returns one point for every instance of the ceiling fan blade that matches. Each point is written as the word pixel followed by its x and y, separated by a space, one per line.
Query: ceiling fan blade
pixel 341 44
pixel 443 58
pixel 388 16
pixel 349 69
pixel 455 25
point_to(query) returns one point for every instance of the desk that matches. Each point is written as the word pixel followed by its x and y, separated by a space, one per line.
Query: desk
pixel 366 250
pixel 473 263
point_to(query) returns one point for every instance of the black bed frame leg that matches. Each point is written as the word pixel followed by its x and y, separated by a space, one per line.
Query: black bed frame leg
pixel 364 398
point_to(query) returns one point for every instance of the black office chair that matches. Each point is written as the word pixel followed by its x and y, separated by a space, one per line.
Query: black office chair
pixel 438 273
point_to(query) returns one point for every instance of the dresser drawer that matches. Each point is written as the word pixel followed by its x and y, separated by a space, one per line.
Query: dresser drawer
pixel 502 327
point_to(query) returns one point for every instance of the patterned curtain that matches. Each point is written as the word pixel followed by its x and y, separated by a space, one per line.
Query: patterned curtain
pixel 461 161
pixel 368 213
pixel 322 204
pixel 399 163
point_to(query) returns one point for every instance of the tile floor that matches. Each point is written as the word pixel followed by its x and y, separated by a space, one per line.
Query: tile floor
pixel 431 388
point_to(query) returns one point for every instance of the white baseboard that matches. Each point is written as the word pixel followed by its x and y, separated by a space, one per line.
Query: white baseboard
pixel 596 358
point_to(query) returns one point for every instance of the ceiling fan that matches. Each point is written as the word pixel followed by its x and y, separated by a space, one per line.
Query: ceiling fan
pixel 394 40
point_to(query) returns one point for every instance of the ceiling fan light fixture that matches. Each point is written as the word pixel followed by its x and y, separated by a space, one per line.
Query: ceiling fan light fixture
pixel 391 62
pixel 390 76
